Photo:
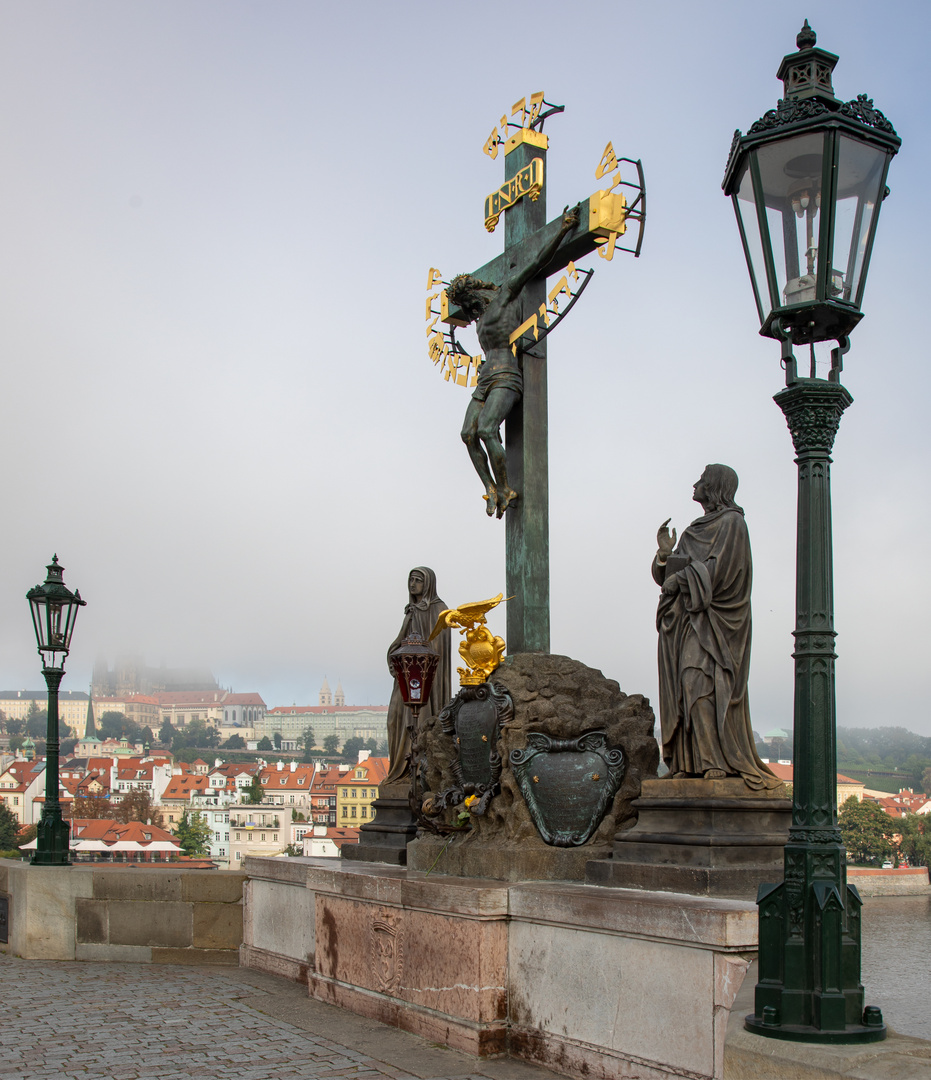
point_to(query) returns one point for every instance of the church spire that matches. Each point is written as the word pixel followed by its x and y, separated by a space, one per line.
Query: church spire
pixel 339 698
pixel 90 728
pixel 326 696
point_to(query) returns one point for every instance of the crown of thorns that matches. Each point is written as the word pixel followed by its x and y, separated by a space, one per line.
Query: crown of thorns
pixel 463 285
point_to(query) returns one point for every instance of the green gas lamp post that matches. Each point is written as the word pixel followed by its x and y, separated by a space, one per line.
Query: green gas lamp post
pixel 54 610
pixel 807 182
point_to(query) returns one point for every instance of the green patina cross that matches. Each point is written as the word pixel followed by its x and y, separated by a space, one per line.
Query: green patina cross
pixel 510 304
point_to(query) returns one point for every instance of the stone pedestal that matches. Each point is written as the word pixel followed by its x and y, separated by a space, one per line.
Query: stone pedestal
pixel 704 837
pixel 531 861
pixel 385 839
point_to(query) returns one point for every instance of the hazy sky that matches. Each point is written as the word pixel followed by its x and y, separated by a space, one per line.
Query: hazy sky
pixel 217 222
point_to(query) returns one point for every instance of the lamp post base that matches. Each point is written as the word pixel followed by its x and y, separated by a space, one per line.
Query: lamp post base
pixel 855 1033
pixel 52 842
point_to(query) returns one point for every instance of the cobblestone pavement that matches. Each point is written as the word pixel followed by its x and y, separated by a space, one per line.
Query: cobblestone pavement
pixel 80 1019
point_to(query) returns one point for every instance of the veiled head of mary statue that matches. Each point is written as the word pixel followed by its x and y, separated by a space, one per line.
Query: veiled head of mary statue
pixel 716 489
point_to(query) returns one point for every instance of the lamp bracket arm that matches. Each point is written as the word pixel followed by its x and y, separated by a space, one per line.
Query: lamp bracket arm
pixel 837 359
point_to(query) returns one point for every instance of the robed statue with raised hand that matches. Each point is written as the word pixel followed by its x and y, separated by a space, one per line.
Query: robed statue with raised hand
pixel 703 620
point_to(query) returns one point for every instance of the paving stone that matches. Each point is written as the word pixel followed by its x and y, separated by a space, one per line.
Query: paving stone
pixel 129 1021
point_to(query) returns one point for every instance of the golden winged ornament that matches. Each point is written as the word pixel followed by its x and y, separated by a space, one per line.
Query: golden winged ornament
pixel 480 649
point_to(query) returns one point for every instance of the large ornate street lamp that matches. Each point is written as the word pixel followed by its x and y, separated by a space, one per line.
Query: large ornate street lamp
pixel 807 181
pixel 54 609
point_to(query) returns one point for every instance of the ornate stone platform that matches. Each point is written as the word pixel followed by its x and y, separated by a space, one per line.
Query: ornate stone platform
pixel 703 837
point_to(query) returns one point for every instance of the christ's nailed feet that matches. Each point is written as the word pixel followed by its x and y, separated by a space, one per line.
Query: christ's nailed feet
pixel 491 500
pixel 506 497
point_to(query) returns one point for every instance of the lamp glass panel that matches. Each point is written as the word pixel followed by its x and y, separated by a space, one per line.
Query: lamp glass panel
pixel 859 178
pixel 790 177
pixel 745 206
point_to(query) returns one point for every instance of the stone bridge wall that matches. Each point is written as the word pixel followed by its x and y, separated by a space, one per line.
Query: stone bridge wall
pixel 157 916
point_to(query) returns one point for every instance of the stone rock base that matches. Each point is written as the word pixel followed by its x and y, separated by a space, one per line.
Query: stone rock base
pixel 385 839
pixel 703 837
pixel 536 862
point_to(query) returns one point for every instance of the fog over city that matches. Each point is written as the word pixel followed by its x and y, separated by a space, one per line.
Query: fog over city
pixel 218 221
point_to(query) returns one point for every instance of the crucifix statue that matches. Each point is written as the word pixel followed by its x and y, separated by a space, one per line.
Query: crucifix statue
pixel 507 298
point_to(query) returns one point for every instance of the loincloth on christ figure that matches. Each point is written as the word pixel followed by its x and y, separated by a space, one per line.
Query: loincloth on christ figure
pixel 507 378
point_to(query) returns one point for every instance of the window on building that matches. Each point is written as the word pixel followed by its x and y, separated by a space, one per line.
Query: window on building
pixel 238 855
pixel 222 851
pixel 238 836
pixel 263 838
pixel 290 798
pixel 217 837
pixel 345 812
pixel 353 814
pixel 275 837
pixel 226 836
pixel 364 812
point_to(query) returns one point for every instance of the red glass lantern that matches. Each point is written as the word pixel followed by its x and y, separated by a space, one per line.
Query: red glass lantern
pixel 414 665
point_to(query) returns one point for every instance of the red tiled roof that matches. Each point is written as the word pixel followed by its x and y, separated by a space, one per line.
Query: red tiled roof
pixel 244 699
pixel 180 787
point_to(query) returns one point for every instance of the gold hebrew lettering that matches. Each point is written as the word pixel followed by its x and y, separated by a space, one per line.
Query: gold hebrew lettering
pixel 571 271
pixel 545 314
pixel 520 106
pixel 528 324
pixel 607 252
pixel 561 286
pixel 434 278
pixel 435 347
pixel 430 300
pixel 536 103
pixel 492 143
pixel 430 326
pixel 607 163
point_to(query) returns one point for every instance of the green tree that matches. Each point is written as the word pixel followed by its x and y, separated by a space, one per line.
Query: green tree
pixel 166 733
pixel 90 806
pixel 351 747
pixel 925 780
pixel 294 849
pixel 36 722
pixel 255 792
pixel 866 830
pixel 235 742
pixel 331 744
pixel 194 834
pixel 15 727
pixel 200 733
pixel 9 828
pixel 264 743
pixel 276 739
pixel 915 844
pixel 372 746
pixel 306 739
pixel 137 805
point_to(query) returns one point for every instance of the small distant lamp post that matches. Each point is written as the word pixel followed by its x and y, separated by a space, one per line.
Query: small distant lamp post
pixel 54 609
pixel 414 665
pixel 807 182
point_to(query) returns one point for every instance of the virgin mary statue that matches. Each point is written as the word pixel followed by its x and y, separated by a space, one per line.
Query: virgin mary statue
pixel 420 615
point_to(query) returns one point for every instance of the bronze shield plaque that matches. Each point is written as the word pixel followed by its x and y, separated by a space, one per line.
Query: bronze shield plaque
pixel 568 784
